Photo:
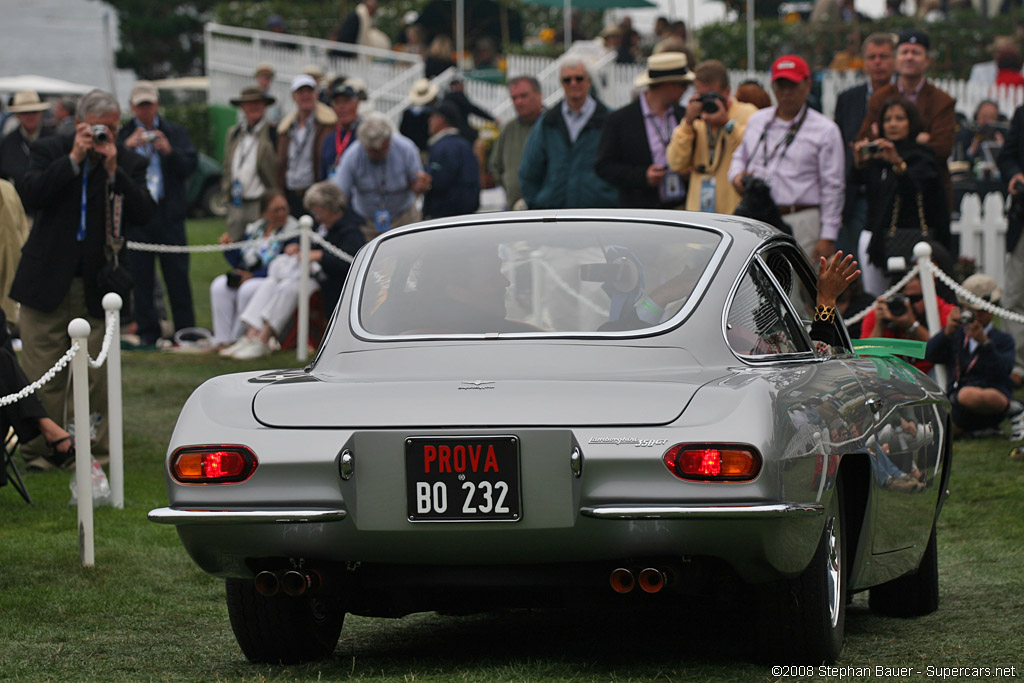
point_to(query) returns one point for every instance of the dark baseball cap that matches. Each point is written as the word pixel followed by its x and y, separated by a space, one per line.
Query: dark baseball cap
pixel 914 37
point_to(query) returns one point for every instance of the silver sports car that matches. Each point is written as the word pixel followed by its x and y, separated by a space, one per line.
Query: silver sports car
pixel 566 407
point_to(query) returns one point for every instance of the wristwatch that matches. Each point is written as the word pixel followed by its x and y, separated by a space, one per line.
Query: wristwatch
pixel 913 328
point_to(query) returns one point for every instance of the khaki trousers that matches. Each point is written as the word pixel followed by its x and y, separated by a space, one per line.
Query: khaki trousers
pixel 240 216
pixel 806 226
pixel 45 339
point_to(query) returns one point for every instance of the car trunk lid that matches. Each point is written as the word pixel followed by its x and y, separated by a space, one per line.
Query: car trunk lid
pixel 488 385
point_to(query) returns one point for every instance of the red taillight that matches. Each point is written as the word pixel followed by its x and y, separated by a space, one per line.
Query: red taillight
pixel 713 461
pixel 222 464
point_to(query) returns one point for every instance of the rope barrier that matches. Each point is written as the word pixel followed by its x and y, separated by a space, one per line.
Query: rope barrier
pixel 911 274
pixel 47 376
pixel 108 336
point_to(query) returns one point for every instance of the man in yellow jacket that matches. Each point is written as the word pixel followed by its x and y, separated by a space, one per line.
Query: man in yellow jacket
pixel 704 142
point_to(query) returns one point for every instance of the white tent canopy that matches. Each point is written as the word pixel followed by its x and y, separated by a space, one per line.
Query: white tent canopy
pixel 42 85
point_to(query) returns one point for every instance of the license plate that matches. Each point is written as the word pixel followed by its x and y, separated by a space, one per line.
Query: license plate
pixel 462 479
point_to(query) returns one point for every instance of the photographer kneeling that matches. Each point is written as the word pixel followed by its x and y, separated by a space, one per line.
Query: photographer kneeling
pixel 979 358
pixel 901 316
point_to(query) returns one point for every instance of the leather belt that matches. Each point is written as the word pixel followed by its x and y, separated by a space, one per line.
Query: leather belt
pixel 793 208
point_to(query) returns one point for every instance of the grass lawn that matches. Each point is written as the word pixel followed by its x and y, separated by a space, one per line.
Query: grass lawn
pixel 146 613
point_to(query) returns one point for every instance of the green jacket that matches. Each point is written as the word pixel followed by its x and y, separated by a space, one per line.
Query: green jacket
pixel 558 174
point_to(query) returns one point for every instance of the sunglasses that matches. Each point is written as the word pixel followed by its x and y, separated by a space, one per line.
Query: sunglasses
pixel 914 298
pixel 569 79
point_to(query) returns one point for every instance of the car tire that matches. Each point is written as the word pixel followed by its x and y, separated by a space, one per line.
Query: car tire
pixel 803 619
pixel 281 629
pixel 913 595
pixel 213 201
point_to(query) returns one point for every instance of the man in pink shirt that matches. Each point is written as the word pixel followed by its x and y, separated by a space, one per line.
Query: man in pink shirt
pixel 799 152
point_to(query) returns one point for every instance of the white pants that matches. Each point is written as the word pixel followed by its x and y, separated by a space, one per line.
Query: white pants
pixel 227 304
pixel 806 226
pixel 277 298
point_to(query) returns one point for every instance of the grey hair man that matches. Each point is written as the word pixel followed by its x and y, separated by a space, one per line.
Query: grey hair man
pixel 557 169
pixel 381 176
pixel 71 182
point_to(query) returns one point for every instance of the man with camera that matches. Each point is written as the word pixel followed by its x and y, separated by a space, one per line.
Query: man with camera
pixel 705 140
pixel 902 316
pixel 799 152
pixel 75 182
pixel 979 358
pixel 170 160
pixel 632 152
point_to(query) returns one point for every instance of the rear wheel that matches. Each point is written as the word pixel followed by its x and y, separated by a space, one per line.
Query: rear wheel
pixel 803 619
pixel 912 595
pixel 213 202
pixel 282 629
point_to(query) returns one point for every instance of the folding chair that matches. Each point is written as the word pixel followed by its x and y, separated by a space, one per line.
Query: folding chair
pixel 9 467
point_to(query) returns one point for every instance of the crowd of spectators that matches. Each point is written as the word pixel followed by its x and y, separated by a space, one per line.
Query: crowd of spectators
pixel 690 140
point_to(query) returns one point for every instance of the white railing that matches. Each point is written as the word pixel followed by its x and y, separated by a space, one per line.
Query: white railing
pixel 232 53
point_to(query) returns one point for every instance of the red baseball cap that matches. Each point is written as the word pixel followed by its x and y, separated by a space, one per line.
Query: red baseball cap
pixel 791 67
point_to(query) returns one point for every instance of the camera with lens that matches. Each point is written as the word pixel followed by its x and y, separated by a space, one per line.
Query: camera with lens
pixel 870 149
pixel 966 316
pixel 100 134
pixel 753 183
pixel 149 135
pixel 897 304
pixel 710 102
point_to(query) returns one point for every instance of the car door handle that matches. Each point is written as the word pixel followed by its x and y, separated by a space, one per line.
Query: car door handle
pixel 875 404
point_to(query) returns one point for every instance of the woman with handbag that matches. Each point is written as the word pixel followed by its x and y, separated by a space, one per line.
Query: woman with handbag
pixel 907 200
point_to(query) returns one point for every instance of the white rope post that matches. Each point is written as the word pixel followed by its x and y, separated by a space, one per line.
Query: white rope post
pixel 923 254
pixel 115 416
pixel 302 336
pixel 78 330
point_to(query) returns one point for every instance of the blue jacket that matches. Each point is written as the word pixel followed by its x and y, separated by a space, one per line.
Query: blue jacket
pixel 989 366
pixel 455 178
pixel 558 174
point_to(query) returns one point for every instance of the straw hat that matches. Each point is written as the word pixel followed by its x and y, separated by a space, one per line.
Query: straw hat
pixel 665 67
pixel 423 92
pixel 27 101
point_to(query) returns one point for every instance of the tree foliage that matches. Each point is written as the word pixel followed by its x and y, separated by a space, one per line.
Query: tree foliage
pixel 161 38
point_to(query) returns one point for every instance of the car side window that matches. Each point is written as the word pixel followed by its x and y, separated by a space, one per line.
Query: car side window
pixel 759 321
pixel 800 287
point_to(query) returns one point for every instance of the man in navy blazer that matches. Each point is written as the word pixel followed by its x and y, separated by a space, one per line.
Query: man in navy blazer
pixel 170 159
pixel 879 52
pixel 71 182
pixel 631 155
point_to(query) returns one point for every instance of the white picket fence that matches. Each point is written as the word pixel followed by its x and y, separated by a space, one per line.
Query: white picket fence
pixel 982 231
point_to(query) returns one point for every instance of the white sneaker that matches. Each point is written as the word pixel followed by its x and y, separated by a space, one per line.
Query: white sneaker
pixel 229 351
pixel 254 349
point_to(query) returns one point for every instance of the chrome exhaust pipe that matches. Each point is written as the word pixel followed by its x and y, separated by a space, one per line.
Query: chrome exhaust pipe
pixel 267 583
pixel 295 583
pixel 651 580
pixel 622 580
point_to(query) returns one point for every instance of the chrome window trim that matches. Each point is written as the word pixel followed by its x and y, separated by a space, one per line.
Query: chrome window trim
pixel 714 264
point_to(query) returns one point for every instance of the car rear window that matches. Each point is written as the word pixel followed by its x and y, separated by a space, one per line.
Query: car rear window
pixel 534 277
